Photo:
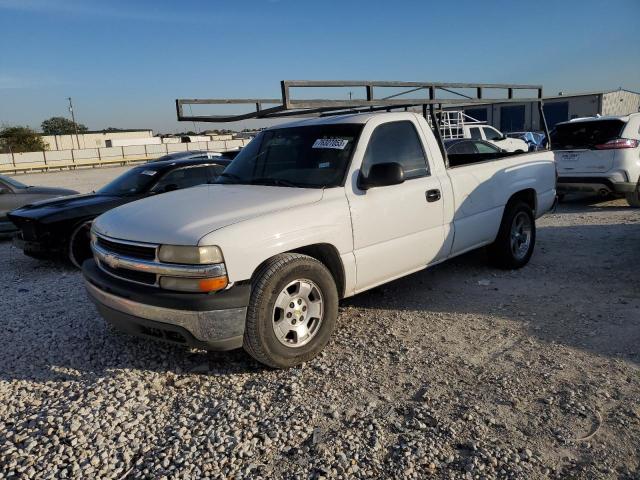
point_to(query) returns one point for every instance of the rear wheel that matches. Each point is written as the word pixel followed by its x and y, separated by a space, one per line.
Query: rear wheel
pixel 79 248
pixel 633 198
pixel 516 238
pixel 292 311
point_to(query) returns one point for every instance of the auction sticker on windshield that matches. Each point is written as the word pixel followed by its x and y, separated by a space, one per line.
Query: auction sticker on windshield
pixel 151 173
pixel 336 143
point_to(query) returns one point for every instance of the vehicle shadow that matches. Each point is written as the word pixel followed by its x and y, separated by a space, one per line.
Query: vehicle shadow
pixel 582 297
pixel 585 298
pixel 592 203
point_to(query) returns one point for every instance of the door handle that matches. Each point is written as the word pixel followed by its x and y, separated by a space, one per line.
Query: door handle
pixel 433 195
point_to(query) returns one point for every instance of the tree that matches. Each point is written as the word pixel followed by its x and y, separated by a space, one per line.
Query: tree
pixel 61 126
pixel 21 139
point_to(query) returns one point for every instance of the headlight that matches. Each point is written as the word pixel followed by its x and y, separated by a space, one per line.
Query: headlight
pixel 190 255
pixel 194 284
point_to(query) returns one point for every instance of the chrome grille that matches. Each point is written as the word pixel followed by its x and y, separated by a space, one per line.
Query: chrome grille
pixel 127 249
pixel 138 262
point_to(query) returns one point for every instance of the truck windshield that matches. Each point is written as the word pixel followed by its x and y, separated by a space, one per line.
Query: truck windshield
pixel 315 156
pixel 585 134
pixel 134 181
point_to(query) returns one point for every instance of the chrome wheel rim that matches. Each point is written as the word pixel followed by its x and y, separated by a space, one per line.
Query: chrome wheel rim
pixel 297 313
pixel 520 235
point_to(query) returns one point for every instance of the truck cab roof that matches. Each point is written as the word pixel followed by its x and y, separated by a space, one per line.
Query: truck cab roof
pixel 359 118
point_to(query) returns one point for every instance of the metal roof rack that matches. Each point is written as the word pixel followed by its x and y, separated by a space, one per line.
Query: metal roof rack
pixel 426 95
pixel 288 106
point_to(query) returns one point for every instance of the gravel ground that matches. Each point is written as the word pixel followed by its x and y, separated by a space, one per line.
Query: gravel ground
pixel 460 371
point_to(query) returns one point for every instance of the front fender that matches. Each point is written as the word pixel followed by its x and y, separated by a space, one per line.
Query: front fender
pixel 247 244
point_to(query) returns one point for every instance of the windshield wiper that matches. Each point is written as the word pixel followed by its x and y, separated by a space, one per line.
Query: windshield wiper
pixel 279 182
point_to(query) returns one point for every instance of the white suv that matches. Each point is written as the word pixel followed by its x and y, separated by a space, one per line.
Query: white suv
pixel 599 155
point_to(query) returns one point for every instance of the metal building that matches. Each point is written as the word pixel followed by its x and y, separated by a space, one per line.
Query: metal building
pixel 517 117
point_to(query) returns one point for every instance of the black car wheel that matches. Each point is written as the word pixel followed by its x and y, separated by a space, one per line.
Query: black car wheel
pixel 79 248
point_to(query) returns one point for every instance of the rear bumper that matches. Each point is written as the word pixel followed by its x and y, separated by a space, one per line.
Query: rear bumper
pixel 196 320
pixel 593 185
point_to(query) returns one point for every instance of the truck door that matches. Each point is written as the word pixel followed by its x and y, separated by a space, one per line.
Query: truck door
pixel 397 228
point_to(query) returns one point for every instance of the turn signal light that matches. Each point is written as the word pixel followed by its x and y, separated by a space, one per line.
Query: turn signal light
pixel 213 284
pixel 196 285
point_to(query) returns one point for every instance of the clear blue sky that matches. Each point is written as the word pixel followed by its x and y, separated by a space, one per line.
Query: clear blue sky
pixel 124 62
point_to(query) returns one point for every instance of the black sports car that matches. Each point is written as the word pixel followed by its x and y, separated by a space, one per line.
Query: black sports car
pixel 14 194
pixel 61 227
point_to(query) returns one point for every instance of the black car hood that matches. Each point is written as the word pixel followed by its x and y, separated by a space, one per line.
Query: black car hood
pixel 50 191
pixel 69 208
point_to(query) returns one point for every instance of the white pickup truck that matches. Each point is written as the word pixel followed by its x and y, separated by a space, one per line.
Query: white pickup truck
pixel 308 213
pixel 496 137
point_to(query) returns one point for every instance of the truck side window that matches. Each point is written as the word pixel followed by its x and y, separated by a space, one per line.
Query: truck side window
pixel 475 133
pixel 396 142
pixel 491 134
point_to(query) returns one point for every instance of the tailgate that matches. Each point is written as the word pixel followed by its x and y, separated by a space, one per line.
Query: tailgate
pixel 580 146
pixel 571 162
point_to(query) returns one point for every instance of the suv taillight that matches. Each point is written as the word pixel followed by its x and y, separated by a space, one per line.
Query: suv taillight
pixel 617 143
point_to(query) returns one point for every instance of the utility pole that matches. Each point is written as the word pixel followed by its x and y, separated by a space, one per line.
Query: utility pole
pixel 73 119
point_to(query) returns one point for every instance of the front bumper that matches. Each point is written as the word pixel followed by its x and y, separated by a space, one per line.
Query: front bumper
pixel 593 185
pixel 7 228
pixel 210 322
pixel 30 246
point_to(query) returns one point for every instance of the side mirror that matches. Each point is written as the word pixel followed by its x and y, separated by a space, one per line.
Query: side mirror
pixel 381 175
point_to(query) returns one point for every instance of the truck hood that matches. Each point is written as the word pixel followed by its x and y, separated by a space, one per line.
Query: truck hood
pixel 185 216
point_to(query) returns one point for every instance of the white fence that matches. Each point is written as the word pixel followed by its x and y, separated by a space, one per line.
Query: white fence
pixel 88 157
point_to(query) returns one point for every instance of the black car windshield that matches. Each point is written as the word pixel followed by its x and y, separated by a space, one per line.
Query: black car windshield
pixel 314 156
pixel 12 182
pixel 134 181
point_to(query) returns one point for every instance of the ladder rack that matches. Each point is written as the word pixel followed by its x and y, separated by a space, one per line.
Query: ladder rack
pixel 428 95
pixel 452 123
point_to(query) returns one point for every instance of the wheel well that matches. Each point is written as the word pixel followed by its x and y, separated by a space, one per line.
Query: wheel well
pixel 329 256
pixel 527 196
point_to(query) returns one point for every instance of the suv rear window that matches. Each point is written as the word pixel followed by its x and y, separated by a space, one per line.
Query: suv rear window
pixel 585 134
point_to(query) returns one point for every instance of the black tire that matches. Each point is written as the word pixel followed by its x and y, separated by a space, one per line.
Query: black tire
pixel 501 252
pixel 79 244
pixel 561 197
pixel 260 339
pixel 633 198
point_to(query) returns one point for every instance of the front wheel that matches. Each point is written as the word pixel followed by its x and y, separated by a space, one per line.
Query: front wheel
pixel 79 248
pixel 292 310
pixel 633 198
pixel 516 238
